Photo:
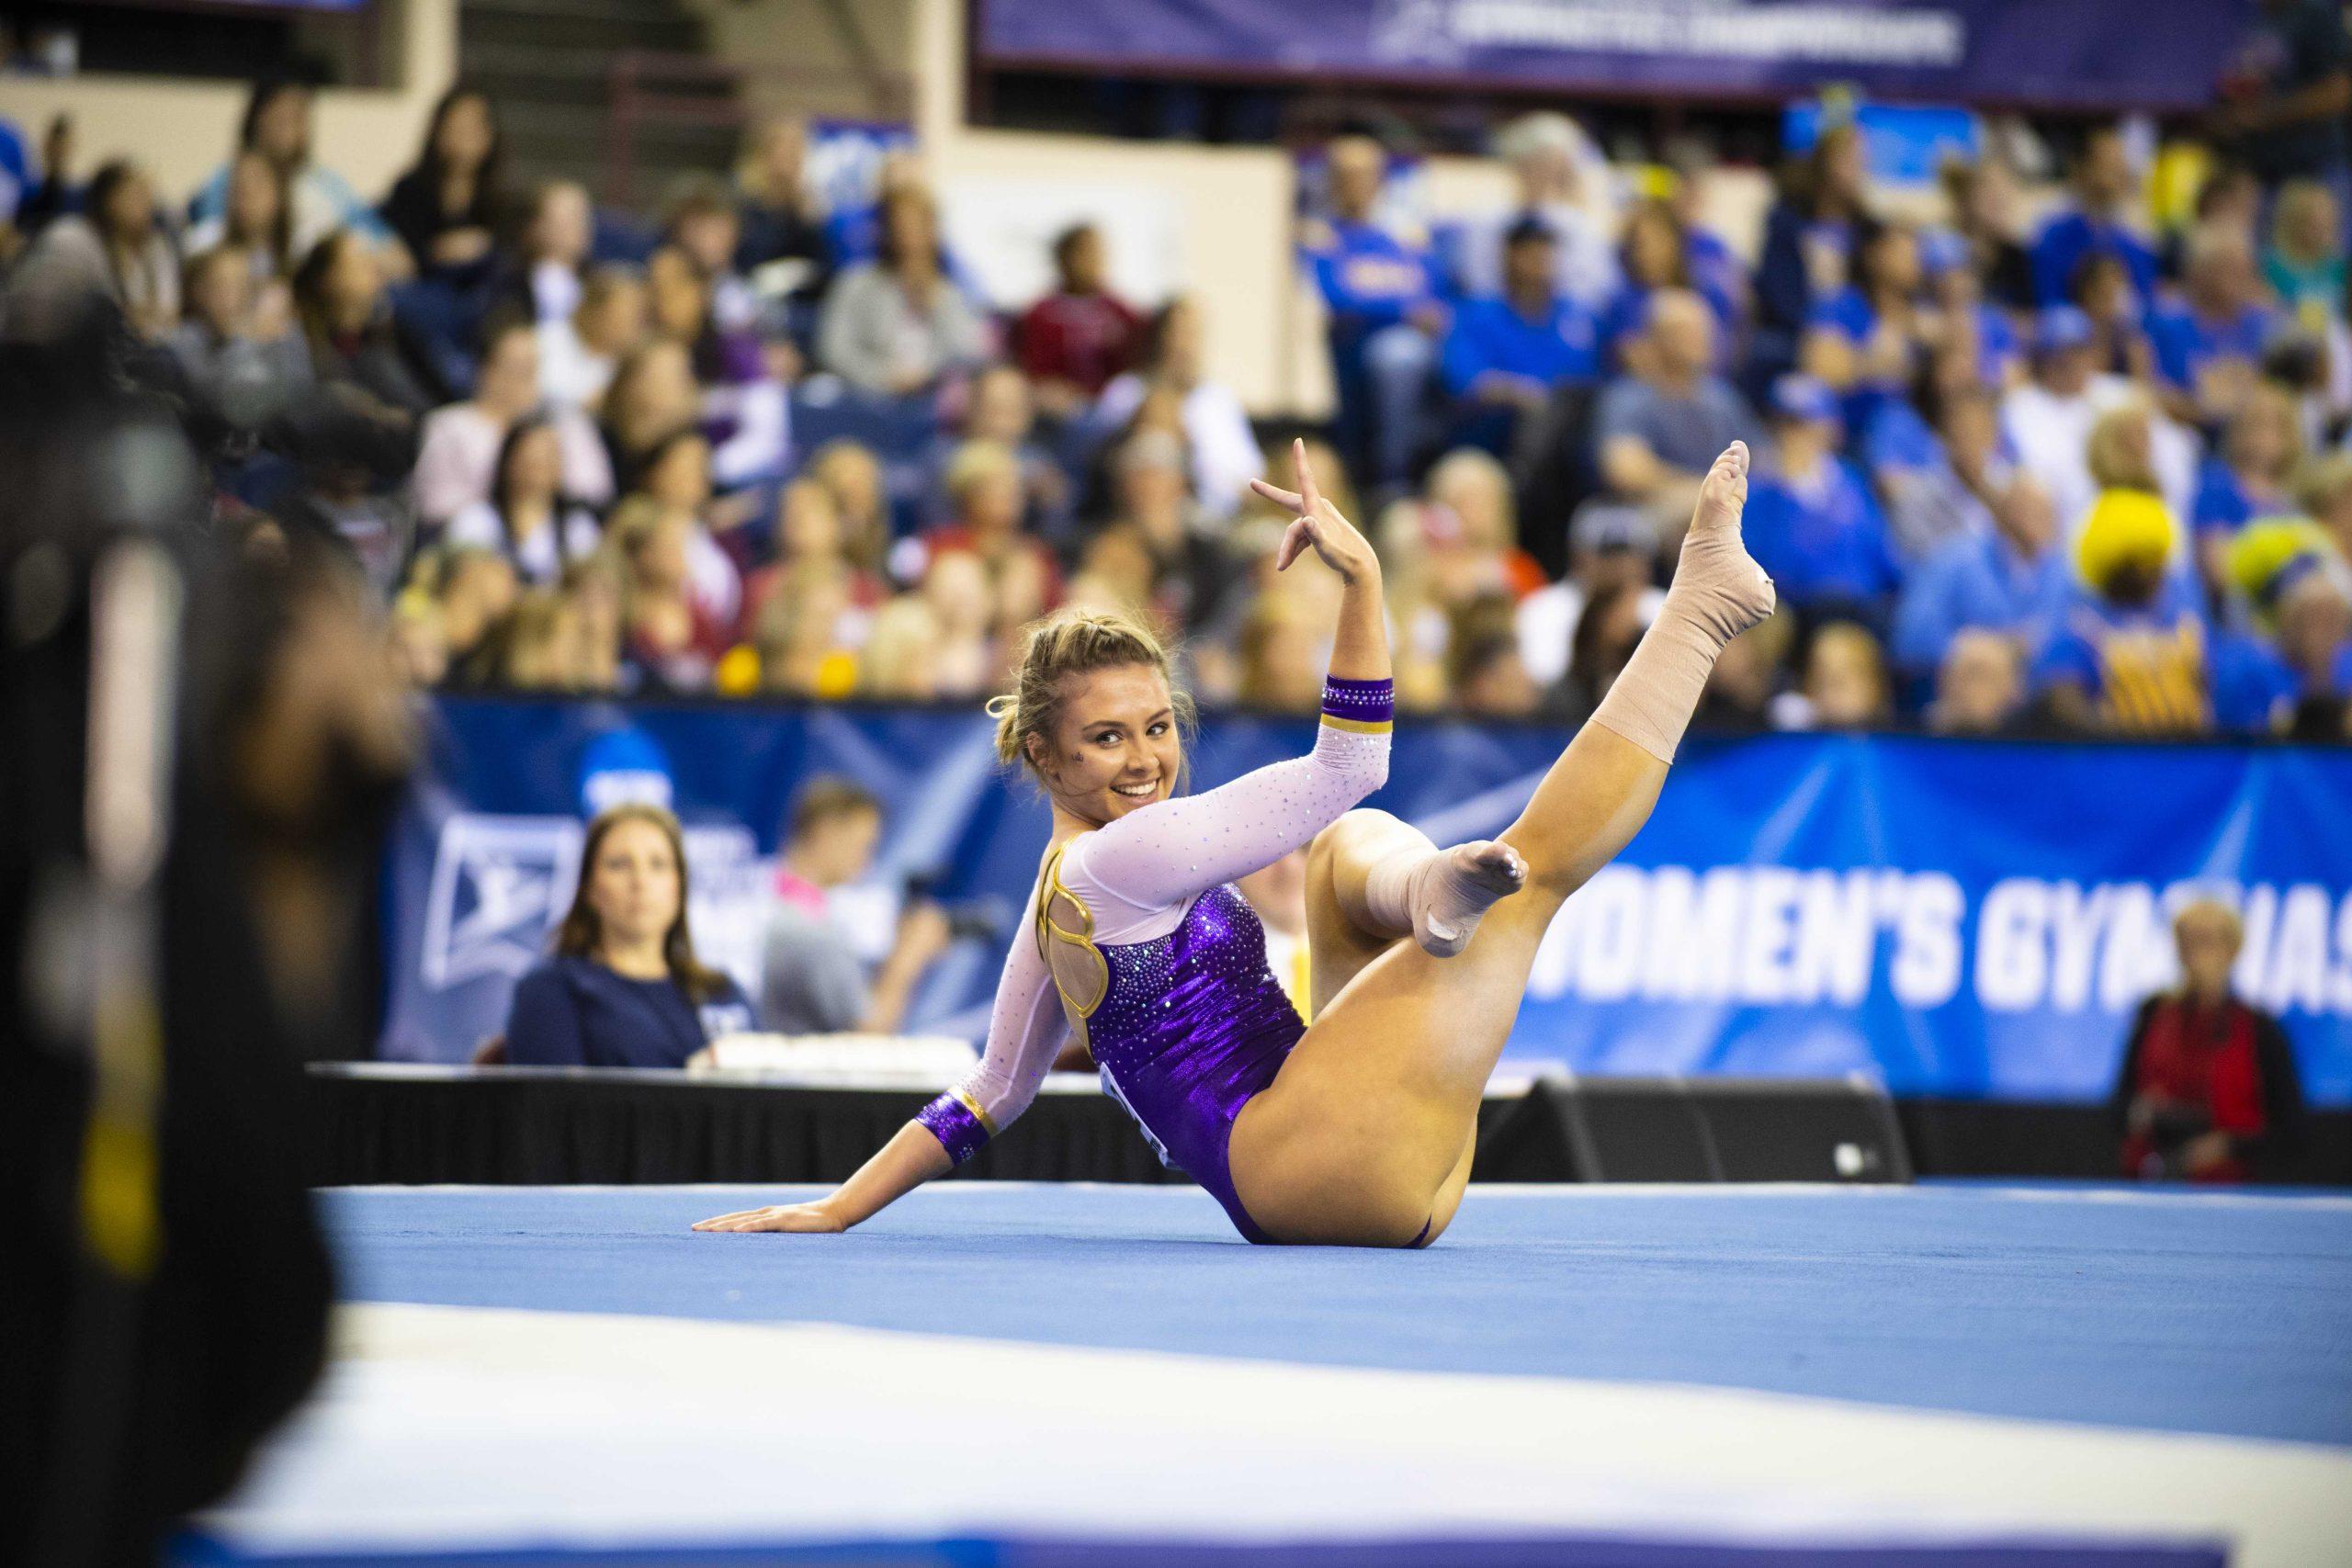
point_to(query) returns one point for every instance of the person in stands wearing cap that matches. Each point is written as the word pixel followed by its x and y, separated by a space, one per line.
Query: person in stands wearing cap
pixel 1506 354
pixel 2129 655
pixel 2048 420
pixel 1380 293
pixel 2209 1090
pixel 2208 342
pixel 2010 579
pixel 1547 154
pixel 811 979
pixel 1657 429
pixel 1812 523
pixel 2097 221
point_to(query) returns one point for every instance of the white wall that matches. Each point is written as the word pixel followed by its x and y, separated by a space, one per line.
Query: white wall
pixel 182 130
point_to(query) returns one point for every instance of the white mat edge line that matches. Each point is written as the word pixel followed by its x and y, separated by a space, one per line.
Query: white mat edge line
pixel 1757 1400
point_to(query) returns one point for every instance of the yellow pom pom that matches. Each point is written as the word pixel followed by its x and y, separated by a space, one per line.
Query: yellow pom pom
pixel 738 674
pixel 2125 528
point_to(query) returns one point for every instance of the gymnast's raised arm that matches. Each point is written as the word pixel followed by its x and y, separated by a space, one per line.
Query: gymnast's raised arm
pixel 1135 871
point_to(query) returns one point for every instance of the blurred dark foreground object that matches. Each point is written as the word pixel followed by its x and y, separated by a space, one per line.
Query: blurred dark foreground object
pixel 199 739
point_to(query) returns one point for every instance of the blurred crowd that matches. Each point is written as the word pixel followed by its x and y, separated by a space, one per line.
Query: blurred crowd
pixel 2082 470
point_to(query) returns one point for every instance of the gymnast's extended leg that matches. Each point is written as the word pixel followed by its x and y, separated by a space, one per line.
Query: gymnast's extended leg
pixel 1366 1127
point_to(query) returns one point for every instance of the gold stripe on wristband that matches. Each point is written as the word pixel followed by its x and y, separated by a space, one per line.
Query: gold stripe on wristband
pixel 1360 726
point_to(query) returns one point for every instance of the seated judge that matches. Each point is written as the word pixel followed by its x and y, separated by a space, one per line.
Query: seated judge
pixel 623 987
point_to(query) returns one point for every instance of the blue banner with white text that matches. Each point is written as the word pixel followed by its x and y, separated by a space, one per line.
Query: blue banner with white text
pixel 2150 54
pixel 1968 919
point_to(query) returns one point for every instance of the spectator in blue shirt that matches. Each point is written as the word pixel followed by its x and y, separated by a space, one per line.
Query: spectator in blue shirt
pixel 1506 354
pixel 1868 339
pixel 1384 316
pixel 2117 317
pixel 1811 521
pixel 2010 579
pixel 1715 269
pixel 2313 610
pixel 2298 651
pixel 319 201
pixel 1657 252
pixel 2208 344
pixel 18 178
pixel 2096 223
pixel 624 989
pixel 1811 236
pixel 2130 654
pixel 1939 456
pixel 2251 476
pixel 1657 429
pixel 1956 291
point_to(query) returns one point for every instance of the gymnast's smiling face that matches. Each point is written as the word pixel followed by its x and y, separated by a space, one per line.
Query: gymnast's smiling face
pixel 1115 747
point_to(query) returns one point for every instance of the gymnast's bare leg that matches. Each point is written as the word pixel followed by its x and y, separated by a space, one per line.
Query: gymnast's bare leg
pixel 1364 1136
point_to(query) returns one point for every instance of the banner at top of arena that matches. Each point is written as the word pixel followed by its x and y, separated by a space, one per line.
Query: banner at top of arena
pixel 2152 54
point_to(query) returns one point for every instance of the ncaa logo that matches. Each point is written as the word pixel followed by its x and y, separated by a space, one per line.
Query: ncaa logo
pixel 499 886
pixel 623 767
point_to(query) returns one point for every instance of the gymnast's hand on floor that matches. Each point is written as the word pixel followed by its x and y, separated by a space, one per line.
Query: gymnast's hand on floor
pixel 1333 537
pixel 779 1217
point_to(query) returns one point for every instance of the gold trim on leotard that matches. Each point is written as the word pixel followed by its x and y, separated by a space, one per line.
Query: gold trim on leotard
pixel 987 1122
pixel 1077 1012
pixel 1360 726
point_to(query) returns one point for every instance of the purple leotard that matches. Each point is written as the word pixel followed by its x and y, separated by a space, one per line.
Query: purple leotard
pixel 1190 1026
pixel 1163 971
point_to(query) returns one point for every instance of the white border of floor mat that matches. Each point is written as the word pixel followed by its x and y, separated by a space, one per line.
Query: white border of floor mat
pixel 450 1428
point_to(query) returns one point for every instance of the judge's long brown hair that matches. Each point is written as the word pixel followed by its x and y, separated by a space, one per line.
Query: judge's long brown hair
pixel 582 933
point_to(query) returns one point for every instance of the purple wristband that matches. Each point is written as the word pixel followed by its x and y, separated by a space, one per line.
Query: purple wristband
pixel 1360 702
pixel 956 1124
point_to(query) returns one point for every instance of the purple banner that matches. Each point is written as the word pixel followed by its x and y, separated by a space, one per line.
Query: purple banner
pixel 2153 54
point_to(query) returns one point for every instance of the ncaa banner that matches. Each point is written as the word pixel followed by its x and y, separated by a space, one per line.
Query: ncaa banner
pixel 2153 54
pixel 1952 917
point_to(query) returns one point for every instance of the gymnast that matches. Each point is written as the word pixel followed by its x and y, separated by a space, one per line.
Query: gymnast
pixel 1356 1128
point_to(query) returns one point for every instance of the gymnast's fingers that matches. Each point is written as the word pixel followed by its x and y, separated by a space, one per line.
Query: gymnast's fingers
pixel 1278 495
pixel 1296 538
pixel 1310 497
pixel 717 1220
